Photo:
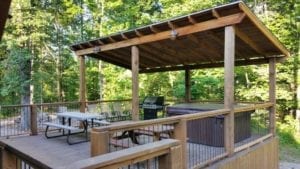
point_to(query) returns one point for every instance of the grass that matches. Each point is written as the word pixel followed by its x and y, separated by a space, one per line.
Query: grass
pixel 289 140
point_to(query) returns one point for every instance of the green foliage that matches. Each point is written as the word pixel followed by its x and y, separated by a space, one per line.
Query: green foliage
pixel 12 82
pixel 287 132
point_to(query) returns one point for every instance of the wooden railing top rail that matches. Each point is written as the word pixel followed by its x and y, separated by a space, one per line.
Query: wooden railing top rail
pixel 40 104
pixel 253 107
pixel 201 115
pixel 105 101
pixel 63 103
pixel 126 157
pixel 128 125
pixel 122 100
pixel 170 120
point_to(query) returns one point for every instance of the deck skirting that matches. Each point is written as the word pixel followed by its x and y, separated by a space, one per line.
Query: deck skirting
pixel 264 155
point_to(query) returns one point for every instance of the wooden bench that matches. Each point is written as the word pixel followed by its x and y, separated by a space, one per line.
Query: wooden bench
pixel 60 126
pixel 101 122
pixel 120 143
pixel 158 132
pixel 63 127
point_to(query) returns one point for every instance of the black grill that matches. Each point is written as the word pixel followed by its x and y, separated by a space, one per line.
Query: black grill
pixel 151 105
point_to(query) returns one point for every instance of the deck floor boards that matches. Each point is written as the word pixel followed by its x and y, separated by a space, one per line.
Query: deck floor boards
pixel 53 152
pixel 56 152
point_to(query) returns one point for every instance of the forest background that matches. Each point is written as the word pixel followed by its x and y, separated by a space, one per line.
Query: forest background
pixel 37 65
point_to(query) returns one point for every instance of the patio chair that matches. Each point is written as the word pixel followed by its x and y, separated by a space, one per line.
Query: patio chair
pixel 127 110
pixel 118 110
pixel 95 108
pixel 42 116
pixel 107 112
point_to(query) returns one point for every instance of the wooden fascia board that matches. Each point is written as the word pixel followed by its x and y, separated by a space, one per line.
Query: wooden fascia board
pixel 182 31
pixel 255 20
pixel 207 65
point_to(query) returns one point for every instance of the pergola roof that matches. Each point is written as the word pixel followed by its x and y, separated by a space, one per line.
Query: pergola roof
pixel 189 42
pixel 4 8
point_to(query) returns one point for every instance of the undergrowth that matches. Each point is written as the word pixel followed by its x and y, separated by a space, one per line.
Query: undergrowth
pixel 289 139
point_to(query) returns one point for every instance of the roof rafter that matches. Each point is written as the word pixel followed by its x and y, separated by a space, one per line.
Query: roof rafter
pixel 244 37
pixel 263 29
pixel 182 31
pixel 204 66
pixel 194 39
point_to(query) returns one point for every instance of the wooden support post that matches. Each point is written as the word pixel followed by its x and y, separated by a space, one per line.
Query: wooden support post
pixel 229 88
pixel 99 143
pixel 82 83
pixel 180 133
pixel 135 82
pixel 8 160
pixel 33 120
pixel 172 160
pixel 272 94
pixel 187 85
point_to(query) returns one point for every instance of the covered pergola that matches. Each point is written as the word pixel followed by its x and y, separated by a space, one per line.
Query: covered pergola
pixel 224 36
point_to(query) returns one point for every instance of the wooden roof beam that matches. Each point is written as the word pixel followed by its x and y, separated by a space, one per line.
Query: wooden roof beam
pixel 120 56
pixel 192 20
pixel 100 42
pixel 111 39
pixel 138 33
pixel 109 60
pixel 205 65
pixel 171 25
pixel 182 31
pixel 167 55
pixel 263 29
pixel 193 38
pixel 154 52
pixel 219 41
pixel 215 13
pixel 124 36
pixel 90 44
pixel 244 37
pixel 154 29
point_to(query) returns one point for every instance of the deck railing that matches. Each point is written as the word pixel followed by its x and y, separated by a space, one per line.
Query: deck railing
pixel 260 124
pixel 112 137
pixel 162 154
pixel 196 154
pixel 29 119
pixel 127 134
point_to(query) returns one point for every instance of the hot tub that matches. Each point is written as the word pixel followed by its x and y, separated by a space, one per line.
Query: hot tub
pixel 210 131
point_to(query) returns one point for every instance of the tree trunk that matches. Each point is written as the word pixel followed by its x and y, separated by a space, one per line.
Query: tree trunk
pixel 25 72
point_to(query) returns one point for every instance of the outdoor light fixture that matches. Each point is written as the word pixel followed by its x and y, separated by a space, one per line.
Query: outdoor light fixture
pixel 174 34
pixel 96 49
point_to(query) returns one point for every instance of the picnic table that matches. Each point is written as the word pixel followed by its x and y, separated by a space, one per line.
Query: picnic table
pixel 82 118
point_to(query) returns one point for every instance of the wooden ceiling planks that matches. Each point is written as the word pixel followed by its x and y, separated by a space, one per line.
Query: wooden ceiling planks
pixel 195 40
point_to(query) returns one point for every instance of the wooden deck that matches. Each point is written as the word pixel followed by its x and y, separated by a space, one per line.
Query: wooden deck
pixel 51 152
pixel 56 152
